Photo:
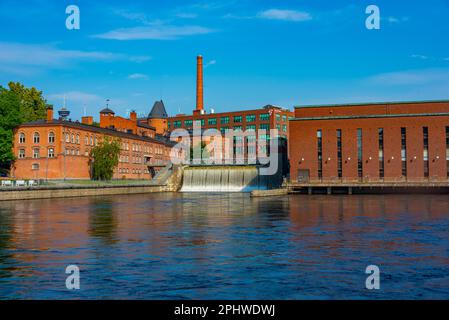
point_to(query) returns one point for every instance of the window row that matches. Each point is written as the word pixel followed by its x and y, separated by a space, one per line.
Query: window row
pixel 37 137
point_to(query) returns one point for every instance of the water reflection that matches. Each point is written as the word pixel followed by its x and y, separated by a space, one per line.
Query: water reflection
pixel 225 246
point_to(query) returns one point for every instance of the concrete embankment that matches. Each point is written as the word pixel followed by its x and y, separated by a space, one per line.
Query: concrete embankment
pixel 79 191
pixel 269 193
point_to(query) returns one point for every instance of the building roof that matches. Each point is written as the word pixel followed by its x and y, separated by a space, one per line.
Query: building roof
pixel 107 111
pixel 82 126
pixel 370 104
pixel 158 111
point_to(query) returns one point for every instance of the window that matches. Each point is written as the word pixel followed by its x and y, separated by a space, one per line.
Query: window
pixel 86 140
pixel 278 117
pixel 284 118
pixel 404 151
pixel 264 117
pixel 51 153
pixel 188 123
pixel 380 134
pixel 264 126
pixel 339 154
pixel 199 122
pixel 425 131
pixel 319 136
pixel 237 128
pixel 224 120
pixel 35 166
pixel 67 137
pixel 91 140
pixel 72 138
pixel 251 127
pixel 237 119
pixel 36 154
pixel 223 130
pixel 22 137
pixel 177 124
pixel 359 153
pixel 77 139
pixel 284 128
pixel 212 121
pixel 250 118
pixel 36 138
pixel 21 153
pixel 51 137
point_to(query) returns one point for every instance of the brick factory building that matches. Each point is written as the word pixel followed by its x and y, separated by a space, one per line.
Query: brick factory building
pixel 60 149
pixel 376 142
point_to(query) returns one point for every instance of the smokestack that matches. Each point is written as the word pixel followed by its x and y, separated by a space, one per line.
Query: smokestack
pixel 199 84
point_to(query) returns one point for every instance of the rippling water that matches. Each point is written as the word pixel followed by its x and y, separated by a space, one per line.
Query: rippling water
pixel 226 246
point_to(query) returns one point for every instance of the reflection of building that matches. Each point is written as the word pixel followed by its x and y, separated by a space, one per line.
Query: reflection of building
pixel 407 141
pixel 59 149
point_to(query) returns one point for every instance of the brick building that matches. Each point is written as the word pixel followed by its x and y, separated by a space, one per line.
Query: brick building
pixel 60 149
pixel 406 141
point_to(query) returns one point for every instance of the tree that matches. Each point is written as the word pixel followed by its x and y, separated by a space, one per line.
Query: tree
pixel 10 117
pixel 32 103
pixel 105 158
pixel 18 104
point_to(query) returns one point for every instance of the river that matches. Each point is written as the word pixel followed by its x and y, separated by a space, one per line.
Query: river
pixel 226 246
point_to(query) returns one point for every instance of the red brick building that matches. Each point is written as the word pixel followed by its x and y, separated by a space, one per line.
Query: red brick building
pixel 406 141
pixel 60 149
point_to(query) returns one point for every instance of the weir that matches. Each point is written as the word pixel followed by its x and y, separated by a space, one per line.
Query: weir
pixel 226 179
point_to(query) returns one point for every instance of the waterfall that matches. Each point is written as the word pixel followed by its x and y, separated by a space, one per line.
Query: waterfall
pixel 223 179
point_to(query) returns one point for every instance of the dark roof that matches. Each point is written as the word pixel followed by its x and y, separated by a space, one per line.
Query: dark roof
pixel 107 110
pixel 95 129
pixel 371 104
pixel 144 125
pixel 158 111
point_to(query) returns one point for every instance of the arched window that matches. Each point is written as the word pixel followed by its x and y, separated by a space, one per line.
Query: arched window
pixel 72 138
pixel 67 137
pixel 77 139
pixel 51 137
pixel 22 137
pixel 36 137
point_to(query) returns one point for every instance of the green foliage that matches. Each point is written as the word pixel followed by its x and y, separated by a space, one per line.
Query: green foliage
pixel 17 105
pixel 105 159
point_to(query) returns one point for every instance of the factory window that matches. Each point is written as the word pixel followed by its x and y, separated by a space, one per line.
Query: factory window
pixel 339 154
pixel 199 122
pixel 237 128
pixel 188 123
pixel 404 151
pixel 278 117
pixel 284 128
pixel 359 153
pixel 36 137
pixel 425 132
pixel 251 127
pixel 21 153
pixel 22 138
pixel 224 120
pixel 177 124
pixel 223 130
pixel 319 135
pixel 381 153
pixel 264 117
pixel 278 127
pixel 250 118
pixel 212 121
pixel 238 119
pixel 51 137
pixel 36 154
pixel 284 118
pixel 264 126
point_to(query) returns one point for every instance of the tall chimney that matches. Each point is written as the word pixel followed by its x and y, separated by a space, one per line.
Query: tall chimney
pixel 199 84
pixel 49 113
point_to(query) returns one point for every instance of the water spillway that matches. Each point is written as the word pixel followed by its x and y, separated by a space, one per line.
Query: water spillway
pixel 223 179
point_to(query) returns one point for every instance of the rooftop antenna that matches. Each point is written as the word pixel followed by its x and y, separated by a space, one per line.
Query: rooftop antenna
pixel 65 98
pixel 85 110
pixel 107 103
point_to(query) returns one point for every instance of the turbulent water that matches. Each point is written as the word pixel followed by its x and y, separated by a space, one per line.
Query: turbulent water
pixel 226 246
pixel 223 179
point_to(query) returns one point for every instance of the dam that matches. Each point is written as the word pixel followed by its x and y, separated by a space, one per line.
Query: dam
pixel 226 179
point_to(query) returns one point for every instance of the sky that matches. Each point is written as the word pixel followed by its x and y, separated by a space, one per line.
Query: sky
pixel 286 53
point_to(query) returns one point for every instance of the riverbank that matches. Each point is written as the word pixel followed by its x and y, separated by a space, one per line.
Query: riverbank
pixel 69 191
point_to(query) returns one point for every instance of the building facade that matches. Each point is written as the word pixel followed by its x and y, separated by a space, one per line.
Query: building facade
pixel 60 149
pixel 395 142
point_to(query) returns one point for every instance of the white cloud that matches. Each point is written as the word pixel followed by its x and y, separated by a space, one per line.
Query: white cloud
pixel 285 15
pixel 138 76
pixel 412 77
pixel 419 56
pixel 157 32
pixel 210 63
pixel 397 20
pixel 76 97
pixel 140 59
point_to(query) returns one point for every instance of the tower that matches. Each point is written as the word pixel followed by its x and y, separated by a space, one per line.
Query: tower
pixel 199 86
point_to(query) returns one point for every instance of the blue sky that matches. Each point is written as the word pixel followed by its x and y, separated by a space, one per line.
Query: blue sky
pixel 256 52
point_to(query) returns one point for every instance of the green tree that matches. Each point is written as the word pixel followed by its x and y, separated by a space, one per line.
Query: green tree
pixel 32 103
pixel 10 117
pixel 18 104
pixel 105 158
